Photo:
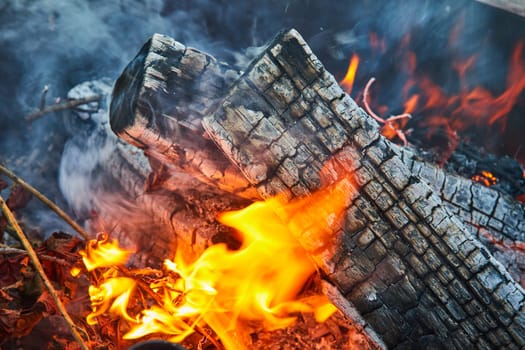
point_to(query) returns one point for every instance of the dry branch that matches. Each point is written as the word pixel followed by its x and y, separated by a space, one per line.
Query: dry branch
pixel 38 266
pixel 4 249
pixel 61 107
pixel 62 214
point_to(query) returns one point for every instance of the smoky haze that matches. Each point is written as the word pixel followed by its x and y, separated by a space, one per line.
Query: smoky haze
pixel 62 43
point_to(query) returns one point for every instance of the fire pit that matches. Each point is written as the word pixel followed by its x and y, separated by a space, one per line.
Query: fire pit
pixel 274 199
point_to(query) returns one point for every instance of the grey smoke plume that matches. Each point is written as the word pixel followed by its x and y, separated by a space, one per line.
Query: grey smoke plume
pixel 81 178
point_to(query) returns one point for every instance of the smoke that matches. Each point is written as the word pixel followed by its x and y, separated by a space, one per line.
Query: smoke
pixel 62 43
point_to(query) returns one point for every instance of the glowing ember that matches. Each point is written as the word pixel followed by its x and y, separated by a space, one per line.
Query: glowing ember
pixel 486 178
pixel 227 289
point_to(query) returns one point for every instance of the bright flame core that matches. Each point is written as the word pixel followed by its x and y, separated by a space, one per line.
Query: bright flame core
pixel 224 288
pixel 348 81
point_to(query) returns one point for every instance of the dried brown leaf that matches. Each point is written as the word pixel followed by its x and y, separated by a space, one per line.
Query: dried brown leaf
pixel 18 198
pixel 10 270
pixel 8 320
pixel 63 243
pixel 3 184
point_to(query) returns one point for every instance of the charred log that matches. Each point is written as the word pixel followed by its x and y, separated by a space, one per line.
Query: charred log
pixel 494 217
pixel 137 81
pixel 134 198
pixel 158 103
pixel 180 217
pixel 403 259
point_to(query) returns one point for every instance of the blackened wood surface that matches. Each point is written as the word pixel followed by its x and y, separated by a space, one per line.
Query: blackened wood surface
pixel 486 212
pixel 151 109
pixel 157 105
pixel 408 264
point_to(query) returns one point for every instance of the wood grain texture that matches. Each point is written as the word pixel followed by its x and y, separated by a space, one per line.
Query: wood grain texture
pixel 158 103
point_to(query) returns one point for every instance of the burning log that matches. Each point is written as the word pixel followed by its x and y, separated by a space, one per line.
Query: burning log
pixel 165 113
pixel 408 264
pixel 410 267
pixel 180 210
pixel 486 212
pixel 183 218
pixel 171 87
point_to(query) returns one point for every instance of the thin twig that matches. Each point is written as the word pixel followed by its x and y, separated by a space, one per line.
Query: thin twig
pixel 62 106
pixel 38 266
pixel 205 334
pixel 389 129
pixel 43 97
pixel 8 250
pixel 365 101
pixel 400 116
pixel 46 201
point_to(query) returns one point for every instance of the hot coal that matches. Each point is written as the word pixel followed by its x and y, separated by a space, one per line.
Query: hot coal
pixel 470 160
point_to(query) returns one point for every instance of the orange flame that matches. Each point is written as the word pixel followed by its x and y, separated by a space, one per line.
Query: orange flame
pixel 104 253
pixel 225 288
pixel 348 81
pixel 473 106
pixel 436 109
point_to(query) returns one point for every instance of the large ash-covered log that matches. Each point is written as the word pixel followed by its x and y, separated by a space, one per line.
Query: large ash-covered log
pixel 407 263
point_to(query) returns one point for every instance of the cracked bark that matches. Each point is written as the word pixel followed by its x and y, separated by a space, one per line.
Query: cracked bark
pixel 486 213
pixel 158 103
pixel 404 259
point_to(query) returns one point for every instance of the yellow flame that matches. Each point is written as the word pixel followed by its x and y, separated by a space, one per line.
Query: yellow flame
pixel 104 253
pixel 112 295
pixel 348 81
pixel 223 288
